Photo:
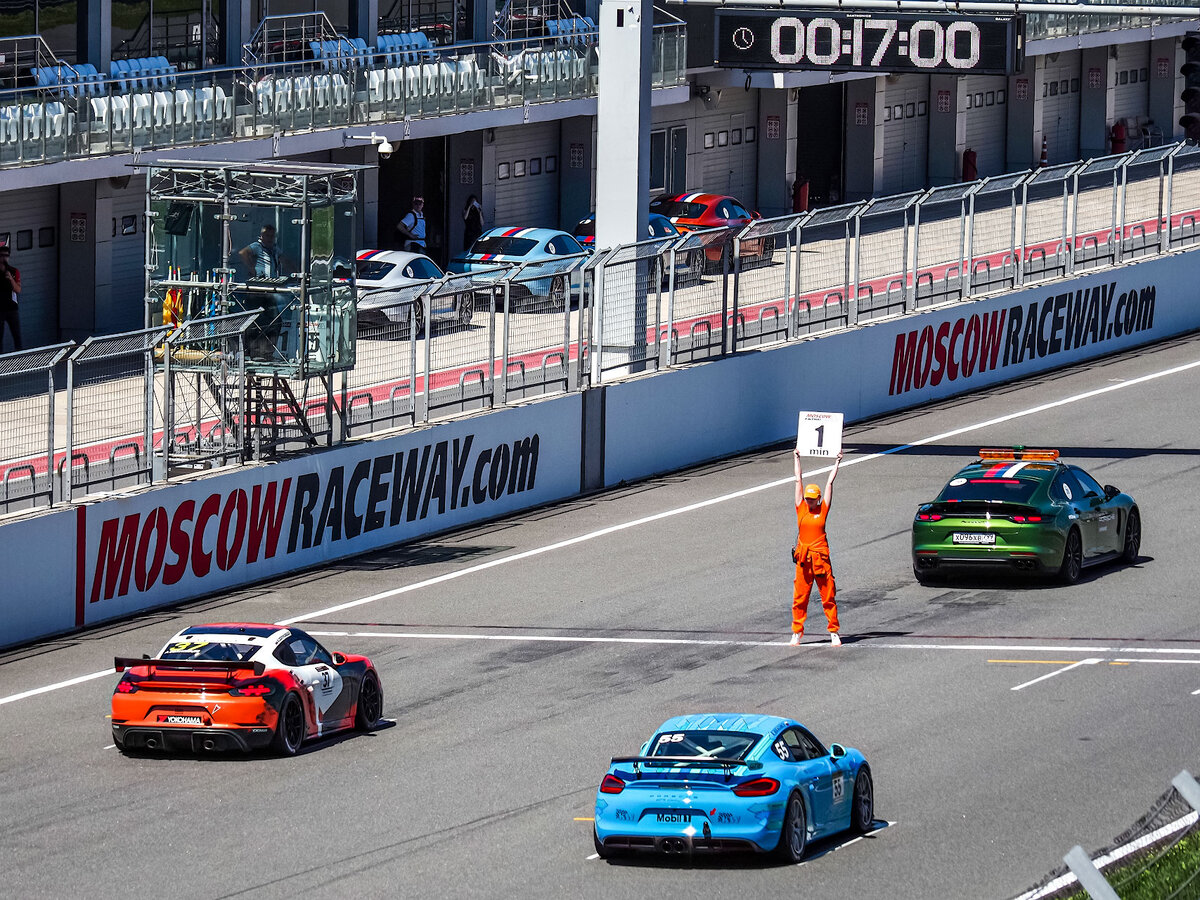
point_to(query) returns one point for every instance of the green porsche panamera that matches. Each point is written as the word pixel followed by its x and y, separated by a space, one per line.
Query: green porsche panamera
pixel 1024 510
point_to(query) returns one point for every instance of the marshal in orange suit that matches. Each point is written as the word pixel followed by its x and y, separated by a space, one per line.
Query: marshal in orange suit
pixel 811 553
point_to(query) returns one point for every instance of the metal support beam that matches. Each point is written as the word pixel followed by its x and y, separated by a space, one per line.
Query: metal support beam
pixel 1090 878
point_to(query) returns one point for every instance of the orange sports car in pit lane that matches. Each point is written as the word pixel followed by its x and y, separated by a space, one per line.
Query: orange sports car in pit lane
pixel 241 687
pixel 697 211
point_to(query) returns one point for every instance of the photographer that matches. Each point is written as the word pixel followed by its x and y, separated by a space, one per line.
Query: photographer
pixel 10 288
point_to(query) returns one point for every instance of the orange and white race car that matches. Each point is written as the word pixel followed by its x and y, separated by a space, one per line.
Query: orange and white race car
pixel 241 687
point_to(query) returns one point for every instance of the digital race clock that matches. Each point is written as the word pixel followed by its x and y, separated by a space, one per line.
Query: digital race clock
pixel 847 42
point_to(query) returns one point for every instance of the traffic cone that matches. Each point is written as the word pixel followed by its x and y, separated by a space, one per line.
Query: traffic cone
pixel 1045 155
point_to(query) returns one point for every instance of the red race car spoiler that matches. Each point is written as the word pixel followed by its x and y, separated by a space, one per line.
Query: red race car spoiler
pixel 128 662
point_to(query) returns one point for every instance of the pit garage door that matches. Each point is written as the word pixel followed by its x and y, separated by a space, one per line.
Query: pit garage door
pixel 1060 107
pixel 527 176
pixel 905 134
pixel 124 309
pixel 985 120
pixel 29 224
pixel 1131 92
pixel 727 144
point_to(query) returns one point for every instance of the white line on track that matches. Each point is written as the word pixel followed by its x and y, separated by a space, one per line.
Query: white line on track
pixel 1075 665
pixel 710 642
pixel 666 514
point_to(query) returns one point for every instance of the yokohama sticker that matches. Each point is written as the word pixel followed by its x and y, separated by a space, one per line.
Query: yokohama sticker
pixel 983 342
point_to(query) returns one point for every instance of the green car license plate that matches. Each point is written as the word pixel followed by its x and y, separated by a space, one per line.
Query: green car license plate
pixel 973 537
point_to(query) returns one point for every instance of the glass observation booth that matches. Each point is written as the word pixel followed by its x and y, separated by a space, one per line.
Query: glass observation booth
pixel 250 275
pixel 276 239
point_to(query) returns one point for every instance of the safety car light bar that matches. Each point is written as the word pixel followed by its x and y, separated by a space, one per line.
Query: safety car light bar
pixel 1017 453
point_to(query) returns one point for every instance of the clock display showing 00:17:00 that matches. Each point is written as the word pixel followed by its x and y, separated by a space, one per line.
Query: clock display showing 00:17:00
pixel 964 44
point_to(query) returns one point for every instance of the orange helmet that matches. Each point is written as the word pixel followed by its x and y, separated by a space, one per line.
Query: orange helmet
pixel 812 492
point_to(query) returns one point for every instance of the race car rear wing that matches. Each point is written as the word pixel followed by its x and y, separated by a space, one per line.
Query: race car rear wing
pixel 128 662
pixel 696 762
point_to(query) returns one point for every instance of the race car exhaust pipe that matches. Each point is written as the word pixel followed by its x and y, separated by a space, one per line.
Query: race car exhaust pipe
pixel 210 744
pixel 674 845
pixel 151 743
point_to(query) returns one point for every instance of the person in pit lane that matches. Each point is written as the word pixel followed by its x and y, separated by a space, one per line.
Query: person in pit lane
pixel 811 553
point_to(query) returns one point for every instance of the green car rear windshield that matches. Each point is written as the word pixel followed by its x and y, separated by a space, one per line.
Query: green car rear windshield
pixel 981 487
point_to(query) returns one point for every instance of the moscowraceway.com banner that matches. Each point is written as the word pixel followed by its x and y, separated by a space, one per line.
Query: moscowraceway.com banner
pixel 188 540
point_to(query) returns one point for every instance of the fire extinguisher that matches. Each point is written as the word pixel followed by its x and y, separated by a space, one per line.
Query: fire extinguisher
pixel 1118 137
pixel 800 195
pixel 970 166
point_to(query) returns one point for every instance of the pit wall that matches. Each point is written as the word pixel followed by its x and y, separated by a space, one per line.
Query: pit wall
pixel 73 568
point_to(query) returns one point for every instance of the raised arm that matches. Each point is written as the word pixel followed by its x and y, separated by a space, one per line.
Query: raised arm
pixel 832 475
pixel 799 478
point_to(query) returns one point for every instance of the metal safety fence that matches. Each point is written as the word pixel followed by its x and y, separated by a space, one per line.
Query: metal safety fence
pixel 1158 856
pixel 437 349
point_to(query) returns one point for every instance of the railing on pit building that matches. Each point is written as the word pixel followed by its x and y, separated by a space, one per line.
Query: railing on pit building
pixel 694 297
pixel 88 116
pixel 27 410
pixel 110 412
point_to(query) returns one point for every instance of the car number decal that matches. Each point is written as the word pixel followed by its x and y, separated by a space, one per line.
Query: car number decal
pixel 781 750
pixel 839 788
pixel 670 738
pixel 957 482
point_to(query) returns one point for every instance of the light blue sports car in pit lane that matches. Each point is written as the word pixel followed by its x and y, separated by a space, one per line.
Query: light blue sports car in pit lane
pixel 732 782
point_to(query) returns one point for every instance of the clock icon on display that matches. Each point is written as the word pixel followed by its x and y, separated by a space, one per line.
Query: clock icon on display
pixel 743 38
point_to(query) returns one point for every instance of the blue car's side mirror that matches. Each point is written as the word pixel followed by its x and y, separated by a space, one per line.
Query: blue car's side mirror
pixel 837 751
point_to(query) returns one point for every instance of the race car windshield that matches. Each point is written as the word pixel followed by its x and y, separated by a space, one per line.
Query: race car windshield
pixel 677 209
pixel 200 649
pixel 1012 490
pixel 711 744
pixel 370 270
pixel 505 246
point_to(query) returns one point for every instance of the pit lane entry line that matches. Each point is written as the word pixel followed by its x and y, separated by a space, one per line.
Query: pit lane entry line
pixel 666 514
pixel 1091 661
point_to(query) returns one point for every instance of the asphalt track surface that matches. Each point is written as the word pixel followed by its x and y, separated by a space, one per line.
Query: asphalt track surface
pixel 516 661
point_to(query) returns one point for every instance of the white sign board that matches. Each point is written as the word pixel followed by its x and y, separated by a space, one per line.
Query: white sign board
pixel 819 434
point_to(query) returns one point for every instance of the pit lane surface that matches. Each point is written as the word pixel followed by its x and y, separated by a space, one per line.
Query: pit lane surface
pixel 515 674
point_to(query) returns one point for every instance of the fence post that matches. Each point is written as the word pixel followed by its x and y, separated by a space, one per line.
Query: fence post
pixel 1164 233
pixel 1090 878
pixel 148 418
pixel 852 251
pixel 428 355
pixel 1018 250
pixel 49 439
pixel 664 356
pixel 67 485
pixel 1119 212
pixel 916 256
pixel 724 297
pixel 1188 788
pixel 732 322
pixel 504 342
pixel 797 281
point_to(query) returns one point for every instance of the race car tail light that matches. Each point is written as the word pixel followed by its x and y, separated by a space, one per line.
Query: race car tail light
pixel 928 517
pixel 611 785
pixel 1023 519
pixel 252 689
pixel 759 787
pixel 126 686
pixel 1015 453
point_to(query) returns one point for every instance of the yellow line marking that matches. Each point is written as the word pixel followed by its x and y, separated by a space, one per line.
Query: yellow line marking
pixel 1053 662
pixel 1118 663
pixel 585 819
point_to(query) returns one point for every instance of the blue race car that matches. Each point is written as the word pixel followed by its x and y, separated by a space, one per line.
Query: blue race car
pixel 544 247
pixel 722 782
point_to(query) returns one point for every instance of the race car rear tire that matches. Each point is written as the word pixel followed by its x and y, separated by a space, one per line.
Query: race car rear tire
pixel 1133 537
pixel 1072 561
pixel 289 732
pixel 601 851
pixel 557 299
pixel 466 307
pixel 370 703
pixel 793 836
pixel 862 805
pixel 418 317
